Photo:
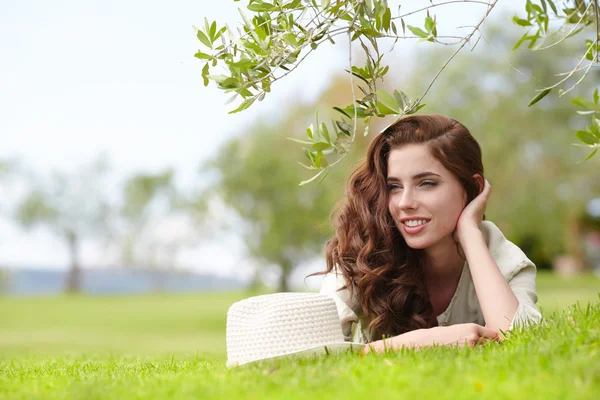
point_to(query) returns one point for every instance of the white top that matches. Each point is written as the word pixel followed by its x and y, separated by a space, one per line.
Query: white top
pixel 464 307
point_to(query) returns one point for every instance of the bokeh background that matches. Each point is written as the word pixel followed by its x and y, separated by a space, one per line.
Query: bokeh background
pixel 134 209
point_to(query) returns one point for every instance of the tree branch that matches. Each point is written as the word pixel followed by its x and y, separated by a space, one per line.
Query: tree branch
pixel 572 30
pixel 441 4
pixel 467 38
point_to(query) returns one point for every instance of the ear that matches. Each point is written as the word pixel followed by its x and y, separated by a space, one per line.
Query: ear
pixel 480 181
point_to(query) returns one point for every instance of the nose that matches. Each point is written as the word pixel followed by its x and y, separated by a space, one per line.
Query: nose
pixel 406 200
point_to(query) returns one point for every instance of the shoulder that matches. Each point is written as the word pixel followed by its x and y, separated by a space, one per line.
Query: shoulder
pixel 507 255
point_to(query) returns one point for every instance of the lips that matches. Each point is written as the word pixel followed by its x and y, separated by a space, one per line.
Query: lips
pixel 413 230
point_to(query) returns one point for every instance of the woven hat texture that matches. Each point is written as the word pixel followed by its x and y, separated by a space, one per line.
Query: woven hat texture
pixel 273 325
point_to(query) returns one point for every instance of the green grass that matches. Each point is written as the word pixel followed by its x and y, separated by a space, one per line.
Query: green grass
pixel 173 346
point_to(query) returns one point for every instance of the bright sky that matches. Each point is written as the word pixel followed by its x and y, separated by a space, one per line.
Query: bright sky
pixel 81 78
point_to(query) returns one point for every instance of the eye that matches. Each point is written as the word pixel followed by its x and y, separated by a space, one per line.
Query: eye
pixel 429 183
pixel 392 187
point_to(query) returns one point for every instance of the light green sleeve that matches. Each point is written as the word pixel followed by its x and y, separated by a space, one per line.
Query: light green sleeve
pixel 523 286
pixel 347 306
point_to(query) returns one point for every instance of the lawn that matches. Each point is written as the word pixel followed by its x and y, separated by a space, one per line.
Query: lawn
pixel 173 346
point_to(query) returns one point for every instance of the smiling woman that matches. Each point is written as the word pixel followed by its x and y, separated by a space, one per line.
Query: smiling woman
pixel 413 258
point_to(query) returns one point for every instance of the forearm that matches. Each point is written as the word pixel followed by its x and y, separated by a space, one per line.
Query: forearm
pixel 409 340
pixel 496 299
pixel 415 339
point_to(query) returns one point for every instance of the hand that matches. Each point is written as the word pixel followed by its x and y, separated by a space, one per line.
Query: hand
pixel 461 335
pixel 472 215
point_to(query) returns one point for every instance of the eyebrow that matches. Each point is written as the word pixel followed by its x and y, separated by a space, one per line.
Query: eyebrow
pixel 417 176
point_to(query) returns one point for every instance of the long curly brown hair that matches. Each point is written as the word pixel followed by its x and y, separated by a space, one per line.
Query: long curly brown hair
pixel 368 248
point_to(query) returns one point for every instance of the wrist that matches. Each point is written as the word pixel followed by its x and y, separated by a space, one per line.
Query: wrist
pixel 465 233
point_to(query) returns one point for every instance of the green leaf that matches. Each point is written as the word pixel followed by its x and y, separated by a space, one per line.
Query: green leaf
pixel 384 70
pixel 594 128
pixel 367 126
pixel 388 100
pixel 418 31
pixel 429 24
pixel 309 155
pixel 325 132
pixel 583 102
pixel 203 56
pixel 205 73
pixel 203 39
pixel 359 77
pixel 261 7
pixel 309 131
pixel 587 138
pixel 300 141
pixel 401 98
pixel 596 96
pixel 387 19
pixel 213 30
pixel 385 110
pixel 292 5
pixel 231 99
pixel 590 155
pixel 245 104
pixel 341 111
pixel 553 7
pixel 344 127
pixel 290 39
pixel 206 25
pixel 540 96
pixel 415 109
pixel 320 161
pixel 521 22
pixel 320 146
pixel 325 4
pixel 533 39
pixel 520 41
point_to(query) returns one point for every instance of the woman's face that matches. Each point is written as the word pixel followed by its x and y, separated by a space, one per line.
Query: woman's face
pixel 425 199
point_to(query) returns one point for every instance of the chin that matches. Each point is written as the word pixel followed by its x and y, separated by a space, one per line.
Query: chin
pixel 417 244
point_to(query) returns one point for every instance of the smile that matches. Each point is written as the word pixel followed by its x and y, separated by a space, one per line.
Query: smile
pixel 413 227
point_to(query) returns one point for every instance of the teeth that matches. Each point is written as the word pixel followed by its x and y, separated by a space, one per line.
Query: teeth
pixel 415 222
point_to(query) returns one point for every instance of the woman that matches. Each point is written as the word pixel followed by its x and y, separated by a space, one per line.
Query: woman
pixel 424 266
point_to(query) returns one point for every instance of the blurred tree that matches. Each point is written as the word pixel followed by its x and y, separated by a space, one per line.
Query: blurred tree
pixel 143 194
pixel 3 173
pixel 150 234
pixel 74 206
pixel 282 224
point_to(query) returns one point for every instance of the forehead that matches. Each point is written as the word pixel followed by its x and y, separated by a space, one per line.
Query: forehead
pixel 411 159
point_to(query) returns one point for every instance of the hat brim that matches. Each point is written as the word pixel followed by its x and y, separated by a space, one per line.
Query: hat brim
pixel 316 350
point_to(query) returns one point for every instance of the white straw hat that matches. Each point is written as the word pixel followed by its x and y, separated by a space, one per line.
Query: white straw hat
pixel 283 324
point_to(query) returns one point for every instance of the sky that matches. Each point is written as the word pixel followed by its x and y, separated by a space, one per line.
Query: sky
pixel 81 78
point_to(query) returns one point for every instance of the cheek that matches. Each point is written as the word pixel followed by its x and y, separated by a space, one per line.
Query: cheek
pixel 448 209
pixel 392 205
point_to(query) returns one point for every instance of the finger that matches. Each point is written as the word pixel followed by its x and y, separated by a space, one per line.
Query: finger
pixel 481 341
pixel 487 332
pixel 487 189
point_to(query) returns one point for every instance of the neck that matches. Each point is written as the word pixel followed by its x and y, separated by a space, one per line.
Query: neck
pixel 442 263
